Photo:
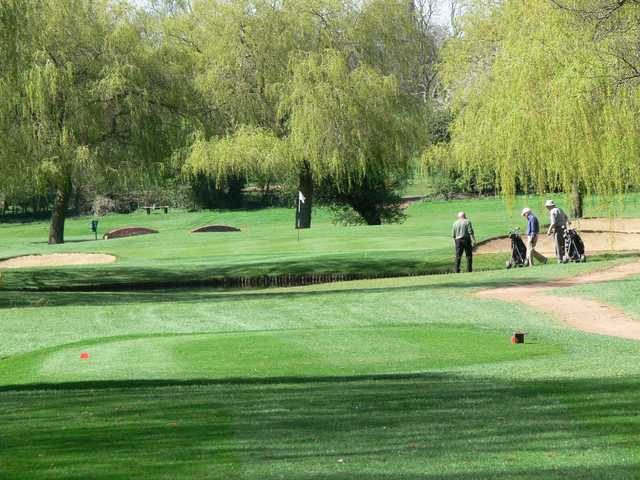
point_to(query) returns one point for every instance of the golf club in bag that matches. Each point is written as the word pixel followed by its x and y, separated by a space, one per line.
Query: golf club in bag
pixel 573 246
pixel 518 250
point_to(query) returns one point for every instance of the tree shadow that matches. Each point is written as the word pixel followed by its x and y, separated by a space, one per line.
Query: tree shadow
pixel 17 299
pixel 427 426
pixel 272 273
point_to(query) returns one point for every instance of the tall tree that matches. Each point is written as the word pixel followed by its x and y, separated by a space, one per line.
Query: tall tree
pixel 352 126
pixel 83 93
pixel 533 105
pixel 248 65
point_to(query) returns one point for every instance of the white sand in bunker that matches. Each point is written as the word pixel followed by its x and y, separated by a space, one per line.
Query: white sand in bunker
pixel 593 242
pixel 624 225
pixel 57 260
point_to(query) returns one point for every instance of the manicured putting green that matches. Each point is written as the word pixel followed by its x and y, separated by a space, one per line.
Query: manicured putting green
pixel 322 352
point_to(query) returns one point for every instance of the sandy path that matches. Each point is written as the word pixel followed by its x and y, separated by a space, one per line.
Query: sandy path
pixel 57 260
pixel 593 241
pixel 583 314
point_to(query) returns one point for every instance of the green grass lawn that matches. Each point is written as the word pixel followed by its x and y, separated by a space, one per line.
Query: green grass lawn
pixel 393 378
pixel 624 294
pixel 266 247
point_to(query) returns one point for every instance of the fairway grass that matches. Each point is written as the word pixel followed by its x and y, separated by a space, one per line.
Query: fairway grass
pixel 409 427
pixel 392 378
pixel 382 379
pixel 306 353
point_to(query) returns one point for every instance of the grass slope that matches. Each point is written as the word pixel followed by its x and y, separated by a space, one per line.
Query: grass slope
pixel 396 379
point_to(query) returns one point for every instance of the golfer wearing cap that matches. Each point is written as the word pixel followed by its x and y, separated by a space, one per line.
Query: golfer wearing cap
pixel 533 229
pixel 558 222
pixel 464 239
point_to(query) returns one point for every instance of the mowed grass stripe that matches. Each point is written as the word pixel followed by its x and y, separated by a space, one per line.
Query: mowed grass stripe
pixel 408 427
pixel 321 352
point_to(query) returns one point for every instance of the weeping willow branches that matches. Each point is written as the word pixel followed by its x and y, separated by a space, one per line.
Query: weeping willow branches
pixel 535 107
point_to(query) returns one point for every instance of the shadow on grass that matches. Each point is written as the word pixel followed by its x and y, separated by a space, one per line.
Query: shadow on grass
pixel 200 294
pixel 430 426
pixel 273 273
pixel 285 273
pixel 17 299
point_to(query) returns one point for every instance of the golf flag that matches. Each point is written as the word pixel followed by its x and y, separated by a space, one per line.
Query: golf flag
pixel 301 200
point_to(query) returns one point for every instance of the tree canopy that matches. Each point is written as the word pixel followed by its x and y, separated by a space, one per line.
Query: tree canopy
pixel 334 85
pixel 535 104
pixel 87 91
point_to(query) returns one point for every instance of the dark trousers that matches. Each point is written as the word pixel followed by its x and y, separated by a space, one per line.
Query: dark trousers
pixel 464 245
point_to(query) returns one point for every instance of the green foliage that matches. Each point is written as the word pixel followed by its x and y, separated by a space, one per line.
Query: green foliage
pixel 349 123
pixel 534 105
pixel 91 93
pixel 338 88
pixel 247 153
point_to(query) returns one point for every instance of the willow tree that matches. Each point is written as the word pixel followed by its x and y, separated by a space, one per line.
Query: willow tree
pixel 352 126
pixel 248 52
pixel 80 94
pixel 533 105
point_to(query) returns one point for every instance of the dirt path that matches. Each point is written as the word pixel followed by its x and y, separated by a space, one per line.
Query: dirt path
pixel 583 314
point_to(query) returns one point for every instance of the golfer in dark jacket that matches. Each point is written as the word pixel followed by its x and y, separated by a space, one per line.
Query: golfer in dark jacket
pixel 464 239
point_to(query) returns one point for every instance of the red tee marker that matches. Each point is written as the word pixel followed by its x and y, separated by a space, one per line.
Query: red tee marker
pixel 84 355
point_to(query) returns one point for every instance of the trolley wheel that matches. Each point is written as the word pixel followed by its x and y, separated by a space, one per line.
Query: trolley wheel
pixel 583 258
pixel 509 263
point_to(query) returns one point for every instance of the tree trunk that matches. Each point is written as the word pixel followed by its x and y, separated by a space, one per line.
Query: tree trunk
pixel 305 186
pixel 371 213
pixel 58 215
pixel 576 200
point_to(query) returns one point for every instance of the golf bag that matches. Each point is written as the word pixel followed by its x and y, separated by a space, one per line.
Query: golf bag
pixel 518 250
pixel 573 246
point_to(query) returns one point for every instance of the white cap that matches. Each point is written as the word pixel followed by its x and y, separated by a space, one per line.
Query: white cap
pixel 549 203
pixel 462 215
pixel 526 211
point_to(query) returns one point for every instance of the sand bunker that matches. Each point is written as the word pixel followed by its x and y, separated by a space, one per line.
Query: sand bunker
pixel 584 314
pixel 593 241
pixel 623 225
pixel 57 260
